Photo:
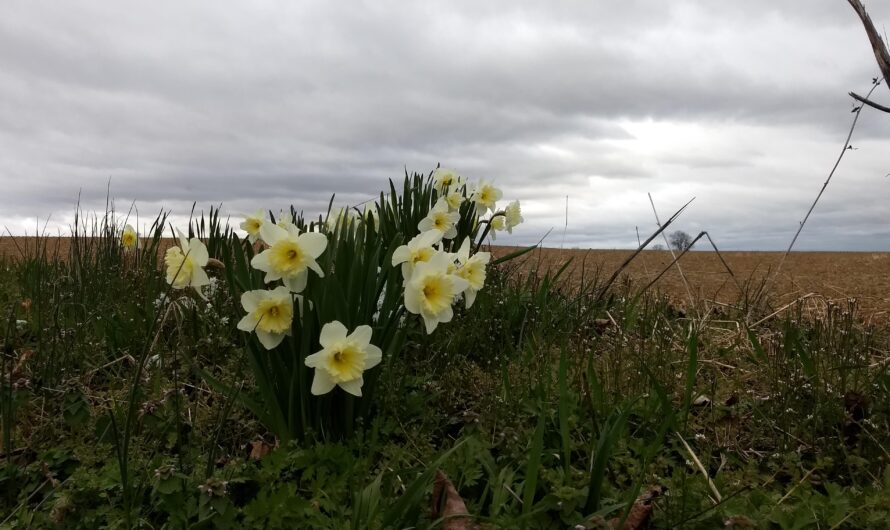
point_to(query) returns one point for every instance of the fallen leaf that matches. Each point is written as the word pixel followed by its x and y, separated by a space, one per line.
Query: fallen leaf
pixel 447 505
pixel 259 449
pixel 641 512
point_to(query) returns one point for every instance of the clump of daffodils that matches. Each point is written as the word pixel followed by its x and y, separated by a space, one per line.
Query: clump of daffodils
pixel 440 266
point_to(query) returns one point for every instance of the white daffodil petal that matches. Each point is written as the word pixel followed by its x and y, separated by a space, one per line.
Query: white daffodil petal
pixel 353 387
pixel 271 233
pixel 198 252
pixel 373 356
pixel 297 283
pixel 248 322
pixel 361 335
pixel 322 383
pixel 469 297
pixel 313 243
pixel 331 333
pixel 269 340
pixel 250 300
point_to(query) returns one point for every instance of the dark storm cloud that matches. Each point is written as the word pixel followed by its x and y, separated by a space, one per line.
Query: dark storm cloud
pixel 274 103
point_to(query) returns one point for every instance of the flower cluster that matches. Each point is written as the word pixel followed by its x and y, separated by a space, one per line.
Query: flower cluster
pixel 439 266
pixel 434 278
pixel 289 257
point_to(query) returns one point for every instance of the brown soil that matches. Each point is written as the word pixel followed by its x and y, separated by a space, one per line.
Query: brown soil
pixel 819 276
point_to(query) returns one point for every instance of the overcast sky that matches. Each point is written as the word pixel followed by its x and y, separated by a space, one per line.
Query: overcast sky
pixel 741 104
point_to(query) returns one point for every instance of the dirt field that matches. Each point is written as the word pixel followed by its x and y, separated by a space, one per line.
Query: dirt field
pixel 822 275
pixel 836 276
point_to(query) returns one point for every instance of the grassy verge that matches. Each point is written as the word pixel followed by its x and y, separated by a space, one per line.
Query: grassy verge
pixel 547 406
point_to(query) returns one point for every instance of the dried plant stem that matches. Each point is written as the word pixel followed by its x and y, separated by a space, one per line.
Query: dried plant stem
pixel 882 56
pixel 698 464
pixel 673 255
pixel 777 271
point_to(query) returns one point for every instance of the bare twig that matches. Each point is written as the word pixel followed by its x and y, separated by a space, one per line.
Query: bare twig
pixel 882 56
pixel 630 258
pixel 868 102
pixel 702 469
pixel 837 162
pixel 673 255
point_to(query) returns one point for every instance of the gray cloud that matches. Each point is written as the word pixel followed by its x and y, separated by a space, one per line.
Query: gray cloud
pixel 743 105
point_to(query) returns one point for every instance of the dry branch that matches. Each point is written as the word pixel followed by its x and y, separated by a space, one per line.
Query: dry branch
pixel 882 56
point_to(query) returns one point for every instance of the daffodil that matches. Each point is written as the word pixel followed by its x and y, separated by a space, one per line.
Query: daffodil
pixel 440 219
pixel 512 216
pixel 486 196
pixel 418 250
pixel 343 358
pixel 129 238
pixel 498 223
pixel 269 314
pixel 471 269
pixel 252 224
pixel 431 291
pixel 290 255
pixel 185 264
pixel 443 179
pixel 454 199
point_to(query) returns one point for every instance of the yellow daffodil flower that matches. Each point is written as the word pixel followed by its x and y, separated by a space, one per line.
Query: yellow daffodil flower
pixel 252 224
pixel 454 199
pixel 486 196
pixel 471 269
pixel 290 255
pixel 431 291
pixel 418 250
pixel 512 216
pixel 185 264
pixel 342 359
pixel 269 314
pixel 440 219
pixel 498 223
pixel 444 179
pixel 129 239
